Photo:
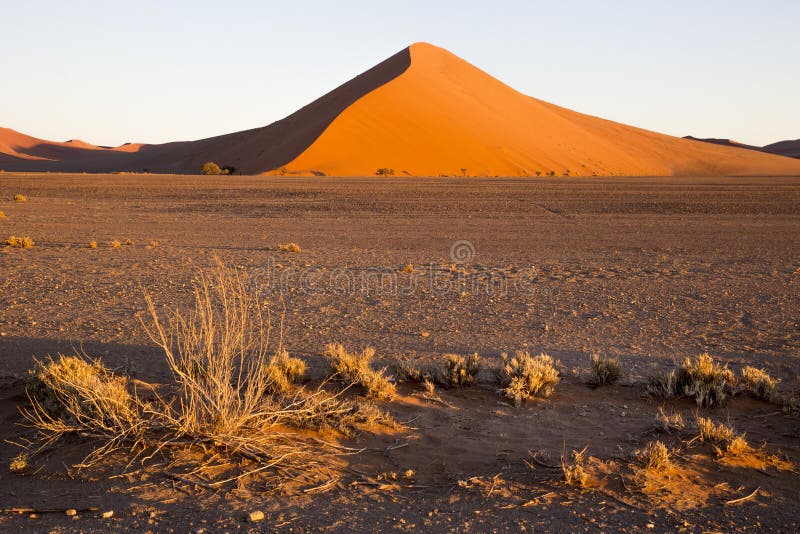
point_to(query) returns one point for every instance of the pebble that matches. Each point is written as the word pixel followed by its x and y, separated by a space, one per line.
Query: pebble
pixel 108 514
pixel 650 525
pixel 255 516
pixel 71 512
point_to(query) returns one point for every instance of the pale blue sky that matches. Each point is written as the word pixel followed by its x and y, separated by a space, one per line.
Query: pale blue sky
pixel 153 71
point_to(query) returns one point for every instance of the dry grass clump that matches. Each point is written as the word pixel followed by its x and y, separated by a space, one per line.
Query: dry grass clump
pixel 153 244
pixel 20 198
pixel 460 370
pixel 711 432
pixel 92 244
pixel 282 372
pixel 708 382
pixel 407 371
pixel 408 269
pixel 573 468
pixel 2 215
pixel 669 423
pixel 20 463
pixel 759 383
pixel 356 369
pixel 605 371
pixel 655 456
pixel 128 242
pixel 738 446
pixel 73 395
pixel 289 247
pixel 661 383
pixel 19 242
pixel 525 376
pixel 115 244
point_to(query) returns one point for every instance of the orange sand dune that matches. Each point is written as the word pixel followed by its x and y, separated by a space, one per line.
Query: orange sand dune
pixel 444 115
pixel 422 112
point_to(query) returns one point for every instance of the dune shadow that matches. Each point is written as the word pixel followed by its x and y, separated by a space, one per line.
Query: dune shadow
pixel 250 152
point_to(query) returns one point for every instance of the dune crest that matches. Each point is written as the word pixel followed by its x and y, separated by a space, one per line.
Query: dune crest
pixel 422 112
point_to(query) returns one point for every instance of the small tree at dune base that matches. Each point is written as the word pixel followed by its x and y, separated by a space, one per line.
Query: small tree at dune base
pixel 212 168
pixel 383 171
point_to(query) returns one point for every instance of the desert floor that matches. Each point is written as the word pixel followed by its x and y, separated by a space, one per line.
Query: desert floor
pixel 646 270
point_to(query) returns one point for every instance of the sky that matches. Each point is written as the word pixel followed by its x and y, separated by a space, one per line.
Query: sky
pixel 157 71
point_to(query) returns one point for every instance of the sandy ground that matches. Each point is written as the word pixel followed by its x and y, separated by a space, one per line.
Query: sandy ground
pixel 647 270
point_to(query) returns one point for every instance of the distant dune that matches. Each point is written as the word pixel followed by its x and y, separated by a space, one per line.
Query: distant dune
pixel 790 149
pixel 784 148
pixel 422 112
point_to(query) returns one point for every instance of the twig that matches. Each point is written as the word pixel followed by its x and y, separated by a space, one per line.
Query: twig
pixel 765 415
pixel 745 498
pixel 537 461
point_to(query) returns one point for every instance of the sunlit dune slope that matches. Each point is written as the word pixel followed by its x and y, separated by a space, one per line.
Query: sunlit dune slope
pixel 444 116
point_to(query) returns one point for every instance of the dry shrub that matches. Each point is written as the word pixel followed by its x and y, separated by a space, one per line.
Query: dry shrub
pixel 407 371
pixel 115 244
pixel 661 383
pixel 710 432
pixel 282 372
pixel 73 395
pixel 20 198
pixel 459 370
pixel 19 464
pixel 669 423
pixel 19 242
pixel 525 377
pixel 128 242
pixel 573 468
pixel 708 382
pixel 789 403
pixel 223 366
pixel 758 383
pixel 92 244
pixel 737 446
pixel 289 247
pixel 356 369
pixel 408 269
pixel 605 371
pixel 2 215
pixel 655 456
pixel 153 244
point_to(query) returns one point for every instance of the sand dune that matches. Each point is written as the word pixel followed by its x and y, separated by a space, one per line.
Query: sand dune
pixel 785 148
pixel 422 112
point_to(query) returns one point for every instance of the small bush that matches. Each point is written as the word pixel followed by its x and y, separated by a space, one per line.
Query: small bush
pixel 655 456
pixel 19 242
pixel 20 198
pixel 669 423
pixel 2 215
pixel 211 169
pixel 356 369
pixel 408 269
pixel 153 244
pixel 115 244
pixel 605 371
pixel 708 382
pixel 573 470
pixel 711 432
pixel 524 376
pixel 19 463
pixel 92 244
pixel 407 371
pixel 661 383
pixel 282 371
pixel 459 370
pixel 72 395
pixel 128 242
pixel 384 171
pixel 758 383
pixel 737 446
pixel 289 247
